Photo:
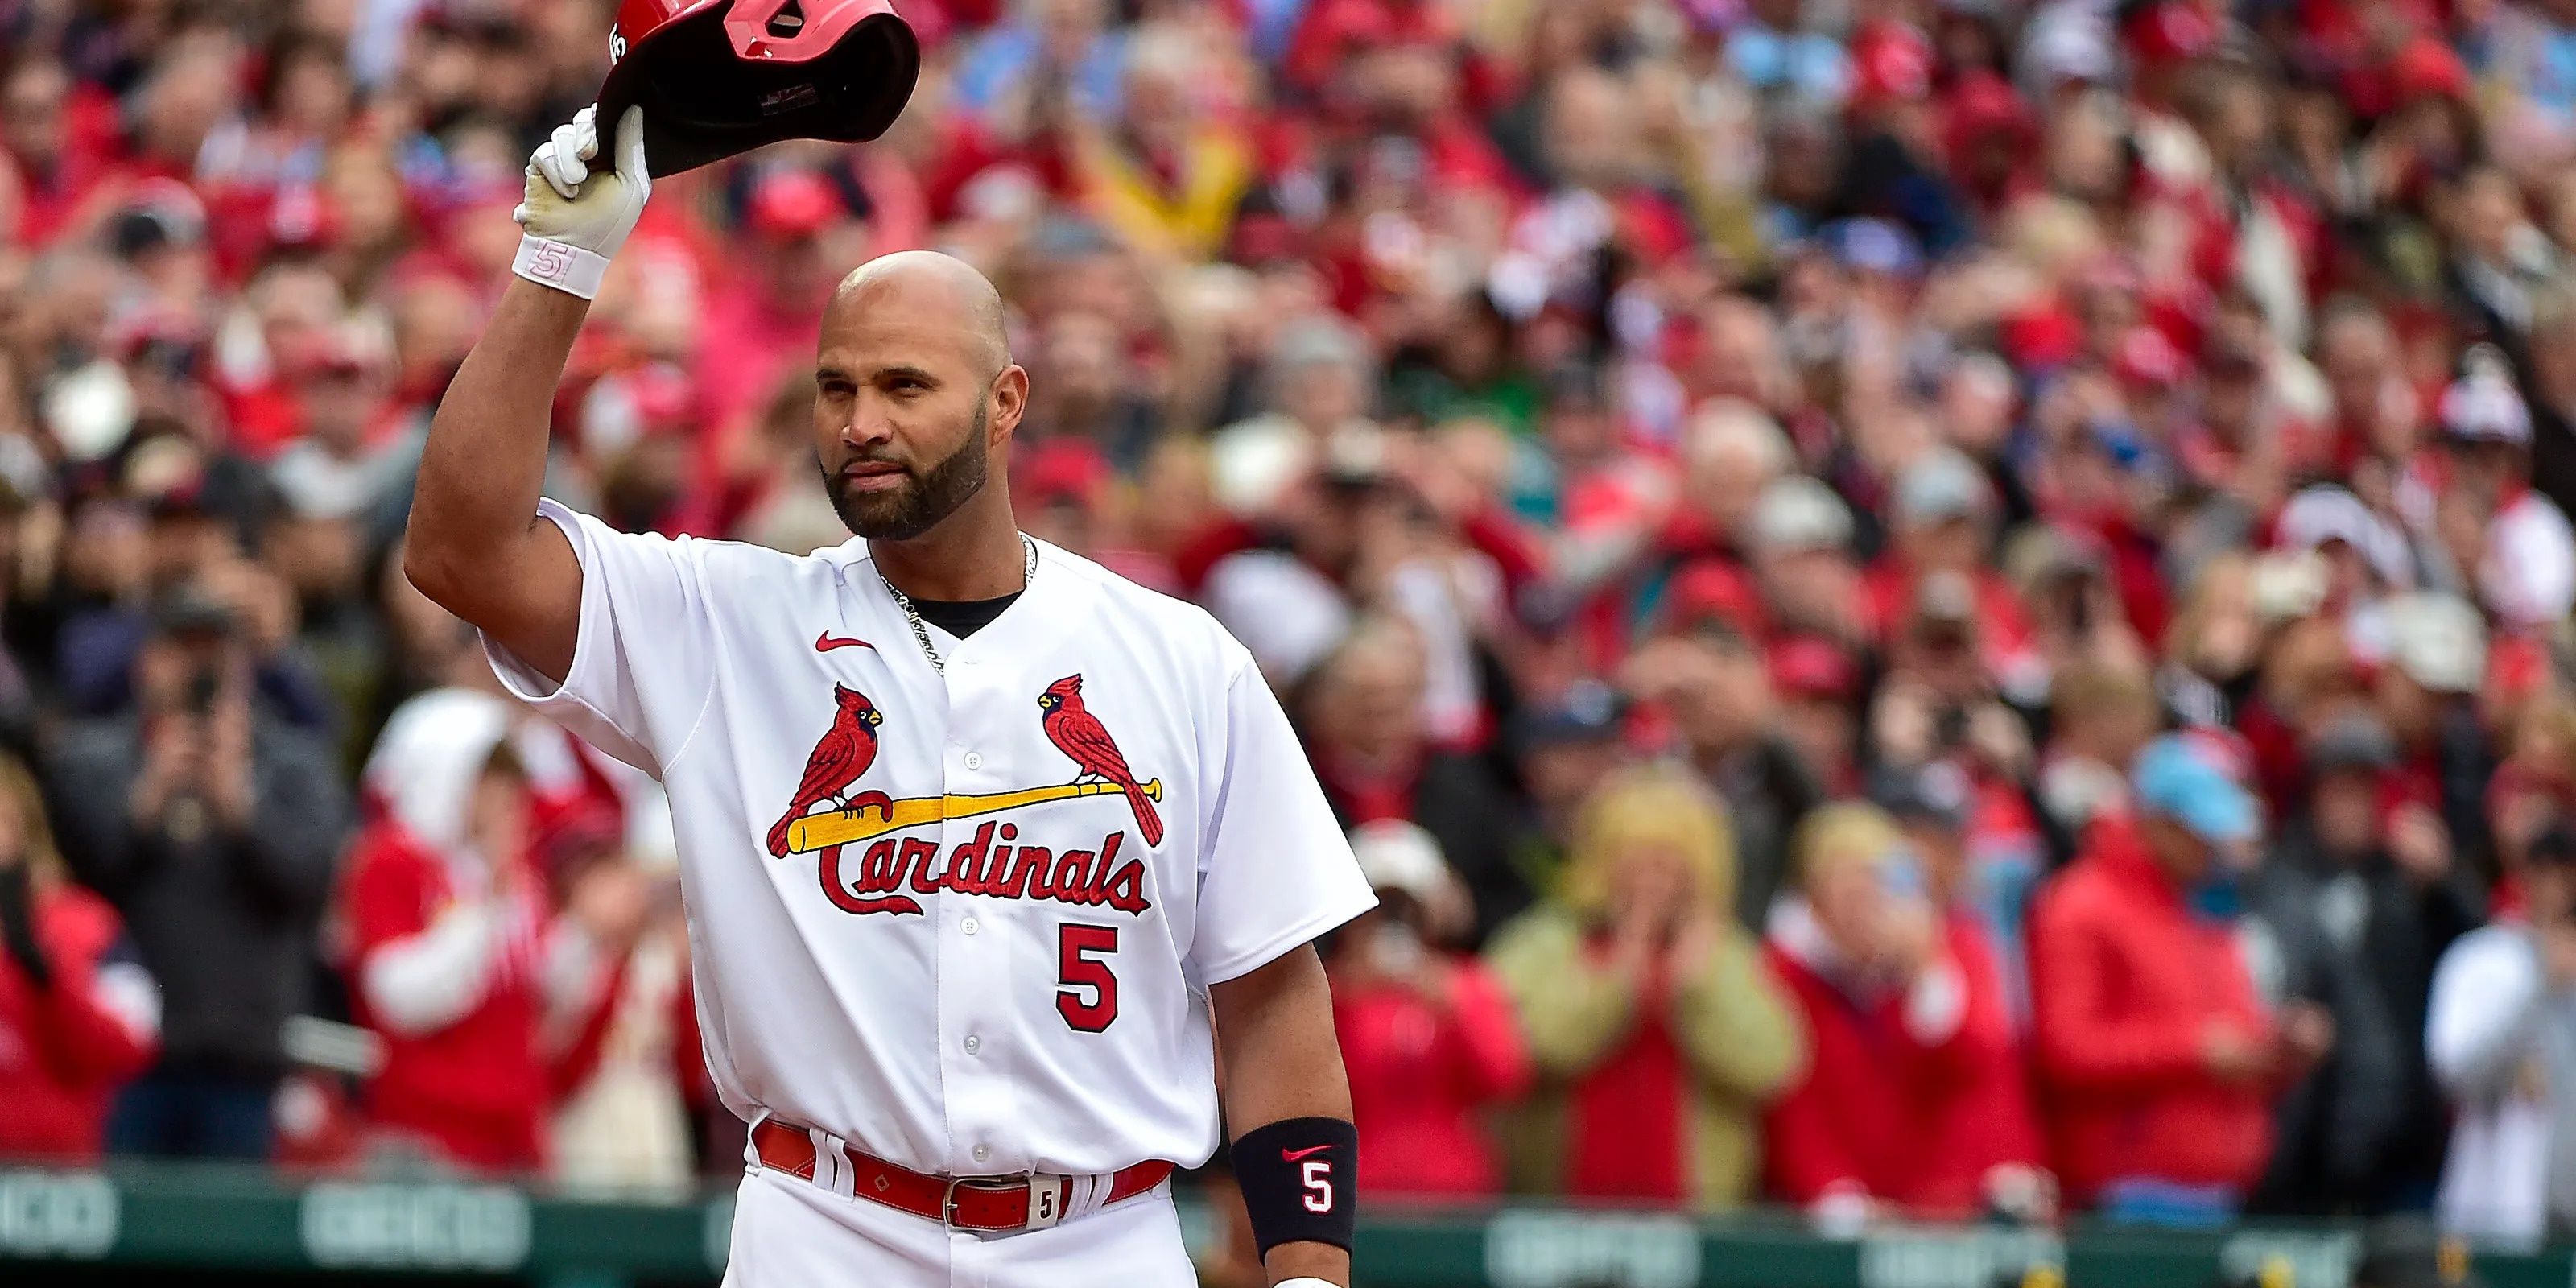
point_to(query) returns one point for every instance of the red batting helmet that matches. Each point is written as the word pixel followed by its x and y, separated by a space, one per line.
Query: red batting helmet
pixel 718 77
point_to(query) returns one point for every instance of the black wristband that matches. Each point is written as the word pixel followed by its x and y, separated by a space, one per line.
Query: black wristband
pixel 1296 1176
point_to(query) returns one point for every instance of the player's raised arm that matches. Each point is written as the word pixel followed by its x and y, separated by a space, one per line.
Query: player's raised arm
pixel 475 545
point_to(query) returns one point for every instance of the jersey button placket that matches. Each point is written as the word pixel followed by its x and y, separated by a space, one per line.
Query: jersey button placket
pixel 974 988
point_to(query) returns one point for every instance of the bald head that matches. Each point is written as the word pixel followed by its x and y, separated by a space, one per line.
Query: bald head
pixel 929 290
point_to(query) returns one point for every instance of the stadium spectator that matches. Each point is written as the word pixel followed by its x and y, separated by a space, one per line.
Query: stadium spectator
pixel 1561 749
pixel 2343 1079
pixel 1711 683
pixel 1896 1113
pixel 212 826
pixel 2499 1040
pixel 1657 1031
pixel 2389 890
pixel 624 1079
pixel 1988 1147
pixel 78 1013
pixel 1430 1039
pixel 456 957
pixel 2157 1059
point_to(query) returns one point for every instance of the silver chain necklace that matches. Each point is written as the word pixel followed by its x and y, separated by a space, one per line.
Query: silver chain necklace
pixel 912 615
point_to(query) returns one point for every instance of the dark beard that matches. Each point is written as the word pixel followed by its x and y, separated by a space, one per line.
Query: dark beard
pixel 912 510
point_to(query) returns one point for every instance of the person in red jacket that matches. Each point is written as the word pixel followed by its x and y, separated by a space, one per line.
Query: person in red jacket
pixel 2157 1058
pixel 78 1014
pixel 456 960
pixel 1429 1036
pixel 1985 1148
pixel 1906 1042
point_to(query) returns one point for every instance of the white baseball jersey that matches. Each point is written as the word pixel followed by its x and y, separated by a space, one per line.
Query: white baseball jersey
pixel 965 921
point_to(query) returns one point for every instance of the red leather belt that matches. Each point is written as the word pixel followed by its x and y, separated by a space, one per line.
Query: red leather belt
pixel 976 1204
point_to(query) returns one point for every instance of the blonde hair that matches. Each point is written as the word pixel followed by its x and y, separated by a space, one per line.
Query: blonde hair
pixel 1646 806
pixel 18 787
pixel 1841 833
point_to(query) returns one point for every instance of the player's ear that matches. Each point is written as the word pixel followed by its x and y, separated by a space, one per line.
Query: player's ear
pixel 1010 400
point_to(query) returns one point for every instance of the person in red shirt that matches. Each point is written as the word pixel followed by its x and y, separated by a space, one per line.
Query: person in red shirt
pixel 455 961
pixel 78 1015
pixel 2157 1058
pixel 1429 1037
pixel 1942 516
pixel 1907 1044
pixel 1658 1030
pixel 1986 1151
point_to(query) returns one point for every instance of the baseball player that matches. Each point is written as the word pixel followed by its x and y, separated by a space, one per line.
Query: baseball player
pixel 983 846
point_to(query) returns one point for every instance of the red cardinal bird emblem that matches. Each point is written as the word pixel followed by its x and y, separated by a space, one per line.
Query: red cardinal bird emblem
pixel 1079 734
pixel 846 751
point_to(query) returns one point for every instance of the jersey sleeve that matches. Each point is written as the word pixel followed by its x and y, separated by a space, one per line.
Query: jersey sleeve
pixel 1275 871
pixel 638 682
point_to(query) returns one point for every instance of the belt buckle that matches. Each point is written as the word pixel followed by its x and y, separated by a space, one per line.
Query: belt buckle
pixel 948 1204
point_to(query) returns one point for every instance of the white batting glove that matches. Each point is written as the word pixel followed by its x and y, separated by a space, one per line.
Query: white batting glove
pixel 577 217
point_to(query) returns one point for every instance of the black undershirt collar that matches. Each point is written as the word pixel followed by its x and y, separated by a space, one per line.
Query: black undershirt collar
pixel 962 617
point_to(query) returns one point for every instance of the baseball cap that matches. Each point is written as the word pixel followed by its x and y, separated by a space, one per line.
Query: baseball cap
pixel 1941 485
pixel 1938 793
pixel 1588 711
pixel 2186 779
pixel 1799 513
pixel 187 612
pixel 2352 742
pixel 2438 640
pixel 1399 856
pixel 791 204
pixel 2483 407
pixel 1873 246
pixel 2041 554
pixel 2324 512
pixel 1060 471
pixel 1805 666
pixel 2169 32
pixel 2428 68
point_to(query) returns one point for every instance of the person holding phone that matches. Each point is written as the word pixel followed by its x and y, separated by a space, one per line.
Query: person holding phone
pixel 2501 1037
pixel 1428 1035
pixel 211 824
pixel 2158 1060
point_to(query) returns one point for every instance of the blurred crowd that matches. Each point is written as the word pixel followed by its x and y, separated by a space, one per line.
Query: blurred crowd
pixel 1919 608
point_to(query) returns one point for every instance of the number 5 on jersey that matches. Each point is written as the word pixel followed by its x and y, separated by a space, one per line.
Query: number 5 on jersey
pixel 1086 993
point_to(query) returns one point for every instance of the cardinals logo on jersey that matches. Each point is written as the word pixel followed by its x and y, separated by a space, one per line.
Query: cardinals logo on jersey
pixel 836 765
pixel 826 814
pixel 1080 735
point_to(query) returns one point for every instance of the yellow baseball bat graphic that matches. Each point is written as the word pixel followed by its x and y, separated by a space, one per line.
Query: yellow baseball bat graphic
pixel 816 831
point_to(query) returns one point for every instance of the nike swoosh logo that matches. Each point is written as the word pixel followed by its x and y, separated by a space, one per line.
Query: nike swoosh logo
pixel 1292 1155
pixel 826 642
